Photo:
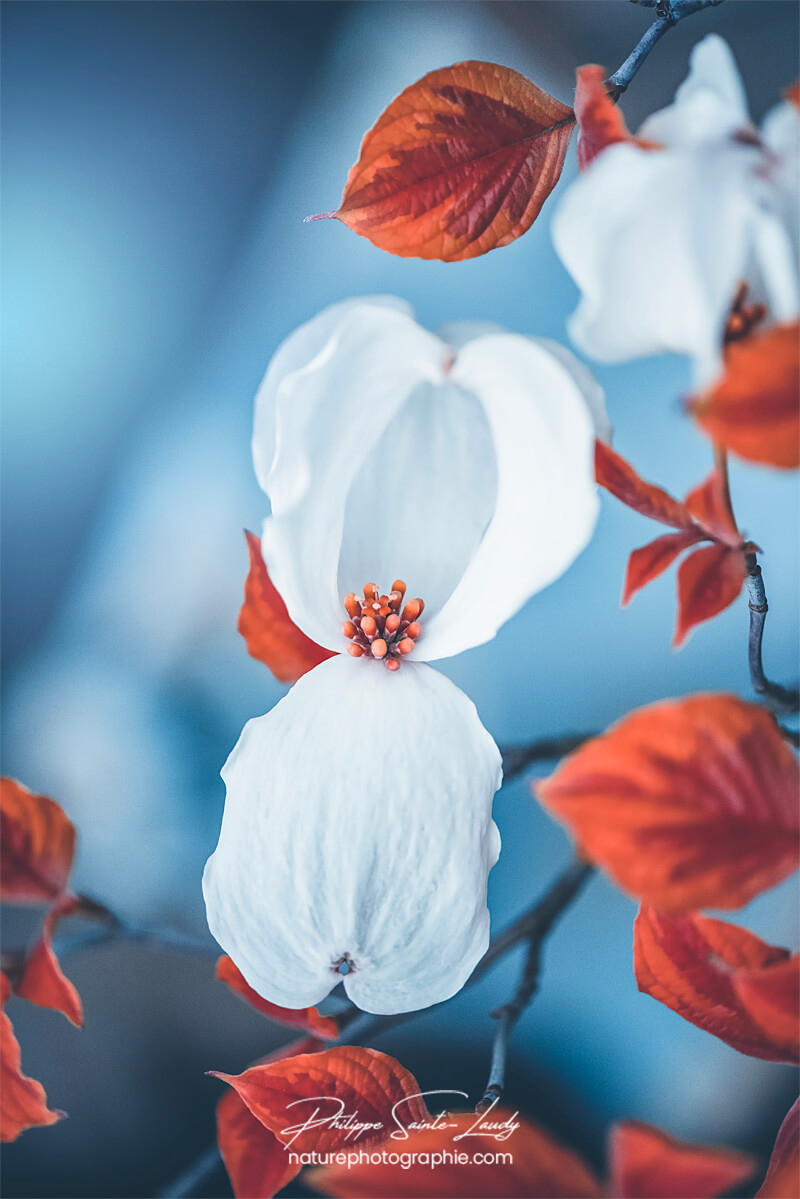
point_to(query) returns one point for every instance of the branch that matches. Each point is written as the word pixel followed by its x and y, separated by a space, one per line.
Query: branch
pixel 669 13
pixel 779 699
pixel 517 758
pixel 539 921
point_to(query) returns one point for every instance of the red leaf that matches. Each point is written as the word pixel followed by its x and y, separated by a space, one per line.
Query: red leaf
pixel 783 1176
pixel 42 980
pixel 36 845
pixel 709 580
pixel 269 633
pixel 540 1168
pixel 600 122
pixel 754 409
pixel 771 998
pixel 257 1163
pixel 23 1102
pixel 460 163
pixel 307 1018
pixel 687 804
pixel 691 963
pixel 346 1079
pixel 619 477
pixel 651 560
pixel 647 1164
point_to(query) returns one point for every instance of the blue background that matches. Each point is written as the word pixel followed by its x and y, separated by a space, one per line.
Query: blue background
pixel 158 161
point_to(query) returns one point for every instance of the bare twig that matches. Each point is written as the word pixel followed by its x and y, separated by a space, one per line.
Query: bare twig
pixel 779 699
pixel 517 758
pixel 669 13
pixel 540 921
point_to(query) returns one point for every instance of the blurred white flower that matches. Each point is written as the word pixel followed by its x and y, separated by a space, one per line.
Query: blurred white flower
pixel 659 240
pixel 357 833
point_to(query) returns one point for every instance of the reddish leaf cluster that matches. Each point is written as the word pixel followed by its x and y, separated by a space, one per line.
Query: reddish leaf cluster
pixel 259 1120
pixel 709 579
pixel 460 163
pixel 269 632
pixel 37 843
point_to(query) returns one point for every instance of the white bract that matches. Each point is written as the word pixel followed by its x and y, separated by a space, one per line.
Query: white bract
pixel 659 240
pixel 357 826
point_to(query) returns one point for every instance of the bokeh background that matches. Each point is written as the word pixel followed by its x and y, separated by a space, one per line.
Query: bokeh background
pixel 158 161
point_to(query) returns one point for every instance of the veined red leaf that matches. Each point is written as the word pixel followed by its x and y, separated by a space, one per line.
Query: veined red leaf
pixel 539 1168
pixel 258 1165
pixel 43 981
pixel 37 842
pixel 707 505
pixel 645 1163
pixel 690 963
pixel 783 1175
pixel 651 560
pixel 771 998
pixel 269 632
pixel 619 477
pixel 459 163
pixel 687 804
pixel 709 580
pixel 284 1094
pixel 754 409
pixel 306 1018
pixel 23 1102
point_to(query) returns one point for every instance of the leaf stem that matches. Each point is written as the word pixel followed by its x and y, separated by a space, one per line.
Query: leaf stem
pixel 517 758
pixel 779 698
pixel 669 13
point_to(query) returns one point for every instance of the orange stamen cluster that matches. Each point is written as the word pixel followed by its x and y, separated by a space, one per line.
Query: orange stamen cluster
pixel 378 628
pixel 743 317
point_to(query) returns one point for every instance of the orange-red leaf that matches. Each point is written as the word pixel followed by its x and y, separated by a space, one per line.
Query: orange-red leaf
pixel 687 804
pixel 709 580
pixel 540 1168
pixel 690 963
pixel 647 1164
pixel 771 998
pixel 460 163
pixel 257 1163
pixel 285 1094
pixel 307 1018
pixel 619 477
pixel 783 1176
pixel 707 505
pixel 600 122
pixel 42 980
pixel 268 631
pixel 651 560
pixel 754 409
pixel 23 1102
pixel 36 845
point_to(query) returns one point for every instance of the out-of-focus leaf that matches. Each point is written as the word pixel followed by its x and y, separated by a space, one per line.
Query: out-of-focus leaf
pixel 600 122
pixel 691 964
pixel 771 998
pixel 645 1163
pixel 43 981
pixel 307 1018
pixel 651 560
pixel 459 163
pixel 539 1168
pixel 783 1175
pixel 619 477
pixel 37 842
pixel 687 804
pixel 754 409
pixel 23 1102
pixel 268 631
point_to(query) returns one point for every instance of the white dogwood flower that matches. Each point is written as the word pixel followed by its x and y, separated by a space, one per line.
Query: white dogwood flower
pixel 659 239
pixel 357 836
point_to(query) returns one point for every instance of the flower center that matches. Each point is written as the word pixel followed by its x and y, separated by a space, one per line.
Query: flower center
pixel 378 628
pixel 743 317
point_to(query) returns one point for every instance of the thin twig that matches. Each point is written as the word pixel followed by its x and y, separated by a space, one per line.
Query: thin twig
pixel 517 758
pixel 540 921
pixel 669 13
pixel 779 698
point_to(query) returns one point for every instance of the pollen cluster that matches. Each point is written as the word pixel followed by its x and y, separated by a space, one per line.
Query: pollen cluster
pixel 378 628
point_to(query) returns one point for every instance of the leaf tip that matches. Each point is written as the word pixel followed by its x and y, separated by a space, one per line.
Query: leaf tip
pixel 320 216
